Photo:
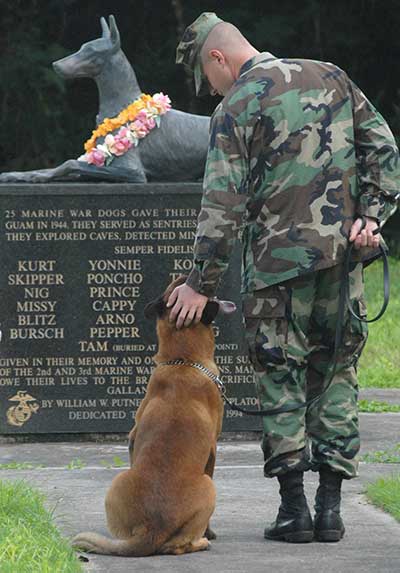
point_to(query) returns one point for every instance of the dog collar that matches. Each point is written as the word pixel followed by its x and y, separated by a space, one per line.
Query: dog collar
pixel 180 362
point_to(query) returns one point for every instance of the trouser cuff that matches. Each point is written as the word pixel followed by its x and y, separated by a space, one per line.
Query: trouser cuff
pixel 344 474
pixel 286 463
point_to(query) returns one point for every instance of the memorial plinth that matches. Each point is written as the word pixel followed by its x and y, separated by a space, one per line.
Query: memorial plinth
pixel 78 264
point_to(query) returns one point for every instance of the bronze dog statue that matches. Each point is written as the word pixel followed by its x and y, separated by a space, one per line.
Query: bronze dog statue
pixel 163 504
pixel 176 151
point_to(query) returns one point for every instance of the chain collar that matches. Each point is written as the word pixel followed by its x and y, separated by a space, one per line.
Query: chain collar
pixel 180 362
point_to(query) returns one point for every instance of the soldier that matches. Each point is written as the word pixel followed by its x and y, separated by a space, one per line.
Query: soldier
pixel 297 155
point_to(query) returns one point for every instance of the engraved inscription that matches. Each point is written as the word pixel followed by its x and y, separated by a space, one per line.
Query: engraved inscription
pixel 76 350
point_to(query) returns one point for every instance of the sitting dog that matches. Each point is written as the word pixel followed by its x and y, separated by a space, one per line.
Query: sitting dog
pixel 162 505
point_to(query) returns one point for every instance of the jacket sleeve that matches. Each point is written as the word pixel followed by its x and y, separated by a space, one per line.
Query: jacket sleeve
pixel 377 160
pixel 223 203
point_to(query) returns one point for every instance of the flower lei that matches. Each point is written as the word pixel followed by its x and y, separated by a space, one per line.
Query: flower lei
pixel 135 122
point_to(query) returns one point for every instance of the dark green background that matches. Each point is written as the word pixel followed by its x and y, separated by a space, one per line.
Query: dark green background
pixel 45 121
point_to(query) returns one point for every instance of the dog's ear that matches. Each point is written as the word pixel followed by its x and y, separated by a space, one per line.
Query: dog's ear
pixel 210 312
pixel 213 307
pixel 155 309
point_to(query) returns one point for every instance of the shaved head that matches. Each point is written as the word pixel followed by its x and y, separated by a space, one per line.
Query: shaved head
pixel 222 55
pixel 226 38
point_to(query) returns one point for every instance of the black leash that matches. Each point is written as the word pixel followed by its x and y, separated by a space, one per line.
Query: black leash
pixel 344 303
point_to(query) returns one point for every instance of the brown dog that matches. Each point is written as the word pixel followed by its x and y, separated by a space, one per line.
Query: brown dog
pixel 164 502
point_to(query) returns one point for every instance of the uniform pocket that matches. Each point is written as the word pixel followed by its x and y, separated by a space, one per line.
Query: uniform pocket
pixel 266 328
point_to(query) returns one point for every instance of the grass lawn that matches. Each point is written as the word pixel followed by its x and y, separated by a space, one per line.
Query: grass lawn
pixel 380 362
pixel 372 406
pixel 29 540
pixel 389 456
pixel 385 493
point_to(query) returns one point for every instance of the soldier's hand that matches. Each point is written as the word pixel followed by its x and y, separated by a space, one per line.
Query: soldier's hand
pixel 364 238
pixel 187 306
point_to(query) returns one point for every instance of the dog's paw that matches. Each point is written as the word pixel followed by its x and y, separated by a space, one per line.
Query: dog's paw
pixel 210 534
pixel 81 543
pixel 11 177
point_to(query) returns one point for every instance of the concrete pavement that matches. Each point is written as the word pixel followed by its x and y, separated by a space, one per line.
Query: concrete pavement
pixel 246 501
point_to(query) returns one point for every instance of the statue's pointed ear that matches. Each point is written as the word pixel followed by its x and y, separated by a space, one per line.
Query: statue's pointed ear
pixel 105 28
pixel 115 39
pixel 155 308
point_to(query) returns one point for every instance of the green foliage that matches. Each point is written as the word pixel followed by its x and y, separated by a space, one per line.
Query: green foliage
pixel 379 363
pixel 385 493
pixel 374 406
pixel 20 466
pixel 76 464
pixel 117 462
pixel 391 234
pixel 29 541
pixel 391 456
pixel 45 121
pixel 32 98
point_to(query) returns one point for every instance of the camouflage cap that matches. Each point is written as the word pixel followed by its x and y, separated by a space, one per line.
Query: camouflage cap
pixel 188 50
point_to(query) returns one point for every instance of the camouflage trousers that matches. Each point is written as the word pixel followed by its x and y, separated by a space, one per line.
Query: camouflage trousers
pixel 290 331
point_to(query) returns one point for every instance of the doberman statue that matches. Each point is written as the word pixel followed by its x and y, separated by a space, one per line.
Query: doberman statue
pixel 176 151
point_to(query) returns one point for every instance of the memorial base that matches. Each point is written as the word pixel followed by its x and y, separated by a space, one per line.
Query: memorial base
pixel 79 263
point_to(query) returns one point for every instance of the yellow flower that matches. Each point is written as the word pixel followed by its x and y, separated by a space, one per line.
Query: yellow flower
pixel 145 101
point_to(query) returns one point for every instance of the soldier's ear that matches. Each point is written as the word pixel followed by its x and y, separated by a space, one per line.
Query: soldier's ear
pixel 155 309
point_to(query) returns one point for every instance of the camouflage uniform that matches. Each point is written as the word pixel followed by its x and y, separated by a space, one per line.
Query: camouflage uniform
pixel 296 152
pixel 290 330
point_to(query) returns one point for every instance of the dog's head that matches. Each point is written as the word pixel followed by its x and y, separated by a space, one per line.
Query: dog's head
pixel 158 308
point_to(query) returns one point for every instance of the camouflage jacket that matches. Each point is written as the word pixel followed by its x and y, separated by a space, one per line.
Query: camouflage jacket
pixel 296 151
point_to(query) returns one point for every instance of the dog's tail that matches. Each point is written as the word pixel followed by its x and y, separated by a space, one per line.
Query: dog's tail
pixel 136 546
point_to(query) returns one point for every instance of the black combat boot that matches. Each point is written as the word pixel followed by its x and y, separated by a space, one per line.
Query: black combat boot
pixel 293 523
pixel 328 525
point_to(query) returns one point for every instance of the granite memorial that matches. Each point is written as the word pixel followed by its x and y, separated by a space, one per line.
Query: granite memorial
pixel 80 261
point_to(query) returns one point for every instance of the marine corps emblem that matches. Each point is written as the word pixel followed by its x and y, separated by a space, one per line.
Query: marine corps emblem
pixel 19 414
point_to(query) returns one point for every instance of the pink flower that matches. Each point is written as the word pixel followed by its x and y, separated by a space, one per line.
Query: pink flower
pixel 162 102
pixel 141 115
pixel 146 117
pixel 96 157
pixel 139 128
pixel 124 133
pixel 120 143
pixel 150 123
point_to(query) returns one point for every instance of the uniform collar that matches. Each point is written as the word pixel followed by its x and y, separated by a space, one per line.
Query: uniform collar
pixel 262 57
